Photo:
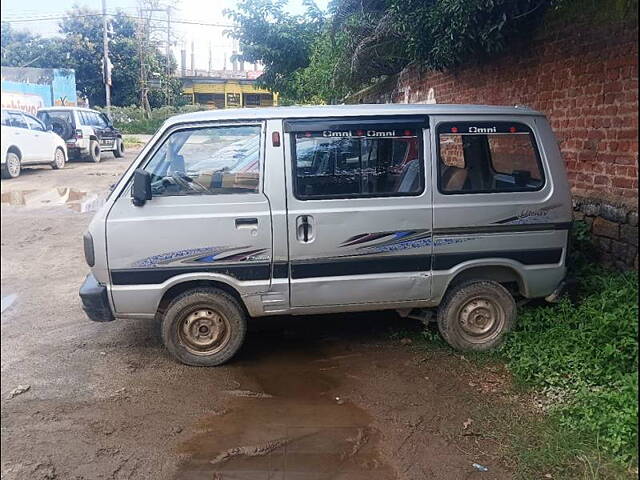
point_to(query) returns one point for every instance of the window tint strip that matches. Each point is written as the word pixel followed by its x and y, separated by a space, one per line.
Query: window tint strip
pixel 346 123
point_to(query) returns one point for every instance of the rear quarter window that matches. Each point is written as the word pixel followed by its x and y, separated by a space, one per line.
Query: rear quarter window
pixel 483 157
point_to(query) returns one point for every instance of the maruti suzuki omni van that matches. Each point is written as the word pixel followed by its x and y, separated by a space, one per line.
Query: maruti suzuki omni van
pixel 229 214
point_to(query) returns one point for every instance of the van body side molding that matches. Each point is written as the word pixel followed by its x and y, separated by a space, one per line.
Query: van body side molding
pixel 520 227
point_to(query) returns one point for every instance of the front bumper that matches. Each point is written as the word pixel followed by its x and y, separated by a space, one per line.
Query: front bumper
pixel 95 300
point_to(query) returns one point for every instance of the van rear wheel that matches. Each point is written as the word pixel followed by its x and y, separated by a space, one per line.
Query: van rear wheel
pixel 204 327
pixel 476 315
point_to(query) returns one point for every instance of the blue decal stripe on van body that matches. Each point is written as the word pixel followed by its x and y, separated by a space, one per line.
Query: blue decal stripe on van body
pixel 202 255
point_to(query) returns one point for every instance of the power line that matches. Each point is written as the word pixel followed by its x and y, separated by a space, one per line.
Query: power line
pixel 184 22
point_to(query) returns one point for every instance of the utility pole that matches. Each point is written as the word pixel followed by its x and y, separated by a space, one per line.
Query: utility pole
pixel 210 58
pixel 168 73
pixel 106 64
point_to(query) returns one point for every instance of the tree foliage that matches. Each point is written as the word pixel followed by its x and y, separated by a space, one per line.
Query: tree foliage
pixel 319 55
pixel 79 47
pixel 280 41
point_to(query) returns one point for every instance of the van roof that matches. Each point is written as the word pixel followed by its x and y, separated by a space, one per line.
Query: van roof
pixel 348 110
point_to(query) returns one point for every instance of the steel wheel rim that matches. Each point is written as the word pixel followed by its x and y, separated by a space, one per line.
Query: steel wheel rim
pixel 13 165
pixel 481 319
pixel 59 158
pixel 204 331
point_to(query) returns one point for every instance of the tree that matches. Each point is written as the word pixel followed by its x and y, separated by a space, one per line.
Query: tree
pixel 280 41
pixel 80 48
pixel 327 55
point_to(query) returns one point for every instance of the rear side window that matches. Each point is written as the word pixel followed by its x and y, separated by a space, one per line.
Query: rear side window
pixel 206 161
pixel 488 158
pixel 357 160
pixel 85 118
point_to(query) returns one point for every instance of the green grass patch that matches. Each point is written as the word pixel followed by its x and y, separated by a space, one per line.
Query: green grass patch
pixel 583 359
pixel 580 362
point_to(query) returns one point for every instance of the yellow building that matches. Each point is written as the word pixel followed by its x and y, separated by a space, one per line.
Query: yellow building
pixel 227 89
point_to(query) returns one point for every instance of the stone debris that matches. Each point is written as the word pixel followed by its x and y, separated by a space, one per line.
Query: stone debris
pixel 19 390
pixel 358 442
pixel 251 451
pixel 247 394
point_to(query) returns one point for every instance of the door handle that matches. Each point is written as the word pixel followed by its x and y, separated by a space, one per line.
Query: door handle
pixel 246 222
pixel 304 229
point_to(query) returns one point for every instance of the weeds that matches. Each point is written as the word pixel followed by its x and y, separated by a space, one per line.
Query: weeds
pixel 134 119
pixel 583 361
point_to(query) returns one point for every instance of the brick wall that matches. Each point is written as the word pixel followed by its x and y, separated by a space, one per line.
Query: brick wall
pixel 585 79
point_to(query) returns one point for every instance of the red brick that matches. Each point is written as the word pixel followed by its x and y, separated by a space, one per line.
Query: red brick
pixel 583 78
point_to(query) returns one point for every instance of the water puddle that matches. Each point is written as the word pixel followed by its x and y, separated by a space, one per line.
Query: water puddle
pixel 76 200
pixel 287 423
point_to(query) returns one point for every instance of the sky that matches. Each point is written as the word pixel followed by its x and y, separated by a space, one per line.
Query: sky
pixel 31 15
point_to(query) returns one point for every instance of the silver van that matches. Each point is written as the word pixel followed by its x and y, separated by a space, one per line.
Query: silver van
pixel 304 210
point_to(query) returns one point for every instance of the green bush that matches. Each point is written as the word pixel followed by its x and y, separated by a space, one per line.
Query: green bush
pixel 133 119
pixel 584 359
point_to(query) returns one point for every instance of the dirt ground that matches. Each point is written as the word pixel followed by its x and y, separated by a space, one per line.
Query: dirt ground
pixel 308 398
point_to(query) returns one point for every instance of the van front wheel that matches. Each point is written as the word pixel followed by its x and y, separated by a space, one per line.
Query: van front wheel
pixel 476 315
pixel 204 327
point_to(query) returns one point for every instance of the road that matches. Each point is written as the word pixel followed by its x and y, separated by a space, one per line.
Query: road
pixel 308 398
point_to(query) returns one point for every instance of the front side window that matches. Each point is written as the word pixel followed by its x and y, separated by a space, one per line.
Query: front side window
pixel 488 158
pixel 211 161
pixel 34 124
pixel 357 161
pixel 97 120
pixel 5 118
pixel 17 120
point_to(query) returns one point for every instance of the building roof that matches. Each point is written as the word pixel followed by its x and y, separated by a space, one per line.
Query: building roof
pixel 348 110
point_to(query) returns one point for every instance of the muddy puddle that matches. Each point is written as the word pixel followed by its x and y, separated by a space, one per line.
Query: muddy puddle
pixel 72 199
pixel 285 421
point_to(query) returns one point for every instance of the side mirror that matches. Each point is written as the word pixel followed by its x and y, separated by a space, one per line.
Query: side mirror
pixel 141 191
pixel 49 127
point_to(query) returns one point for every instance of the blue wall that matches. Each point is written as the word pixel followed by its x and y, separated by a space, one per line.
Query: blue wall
pixel 54 86
pixel 43 91
pixel 63 87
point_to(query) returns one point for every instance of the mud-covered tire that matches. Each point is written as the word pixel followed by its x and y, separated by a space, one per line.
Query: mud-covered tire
pixel 12 166
pixel 204 327
pixel 476 315
pixel 118 150
pixel 59 159
pixel 94 152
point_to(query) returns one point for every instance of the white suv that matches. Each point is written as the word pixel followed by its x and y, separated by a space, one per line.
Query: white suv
pixel 87 132
pixel 26 141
